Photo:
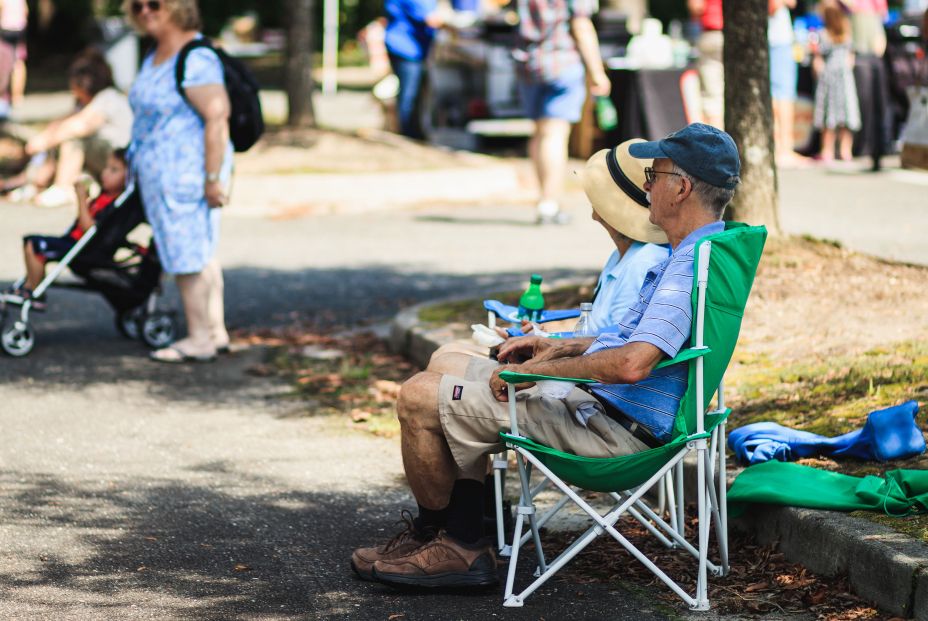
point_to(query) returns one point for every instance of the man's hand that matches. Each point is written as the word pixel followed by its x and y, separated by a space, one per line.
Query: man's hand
pixel 520 348
pixel 500 389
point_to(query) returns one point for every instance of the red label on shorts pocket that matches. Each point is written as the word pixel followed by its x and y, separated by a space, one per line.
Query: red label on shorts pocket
pixel 456 393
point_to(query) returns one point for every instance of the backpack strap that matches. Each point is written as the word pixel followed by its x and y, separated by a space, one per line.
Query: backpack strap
pixel 181 67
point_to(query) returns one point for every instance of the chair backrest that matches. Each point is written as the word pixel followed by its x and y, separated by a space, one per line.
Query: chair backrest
pixel 735 254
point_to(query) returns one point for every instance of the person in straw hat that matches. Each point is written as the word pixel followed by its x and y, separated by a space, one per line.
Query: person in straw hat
pixel 639 245
pixel 450 424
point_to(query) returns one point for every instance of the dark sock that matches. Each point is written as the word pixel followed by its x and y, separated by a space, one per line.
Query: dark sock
pixel 430 519
pixel 465 511
pixel 489 496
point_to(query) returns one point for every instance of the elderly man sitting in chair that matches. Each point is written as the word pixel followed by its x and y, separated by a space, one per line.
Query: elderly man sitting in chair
pixel 451 423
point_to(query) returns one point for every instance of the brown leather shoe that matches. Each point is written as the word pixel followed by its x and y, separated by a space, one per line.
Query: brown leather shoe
pixel 442 562
pixel 404 542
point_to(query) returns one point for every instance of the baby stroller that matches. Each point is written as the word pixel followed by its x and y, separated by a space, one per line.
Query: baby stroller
pixel 127 275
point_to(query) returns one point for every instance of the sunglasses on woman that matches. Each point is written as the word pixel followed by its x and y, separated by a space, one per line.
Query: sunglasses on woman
pixel 153 6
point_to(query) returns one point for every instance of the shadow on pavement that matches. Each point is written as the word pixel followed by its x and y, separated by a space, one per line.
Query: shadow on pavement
pixel 207 552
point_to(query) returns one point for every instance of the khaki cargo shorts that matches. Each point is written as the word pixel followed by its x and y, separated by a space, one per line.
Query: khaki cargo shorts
pixel 472 419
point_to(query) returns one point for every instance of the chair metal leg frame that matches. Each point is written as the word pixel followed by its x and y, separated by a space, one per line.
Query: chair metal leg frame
pixel 603 523
pixel 676 539
pixel 500 464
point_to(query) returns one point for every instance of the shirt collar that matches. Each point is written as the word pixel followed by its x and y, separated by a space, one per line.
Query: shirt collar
pixel 707 229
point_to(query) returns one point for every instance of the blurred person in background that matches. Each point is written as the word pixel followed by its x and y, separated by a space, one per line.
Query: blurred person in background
pixel 783 77
pixel 83 140
pixel 558 55
pixel 410 31
pixel 710 64
pixel 837 109
pixel 14 18
pixel 867 33
pixel 181 158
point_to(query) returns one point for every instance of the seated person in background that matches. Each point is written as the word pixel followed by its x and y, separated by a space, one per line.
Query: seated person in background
pixel 40 249
pixel 81 141
pixel 450 424
pixel 620 205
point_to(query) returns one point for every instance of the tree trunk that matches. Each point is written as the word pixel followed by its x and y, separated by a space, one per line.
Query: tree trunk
pixel 300 63
pixel 749 111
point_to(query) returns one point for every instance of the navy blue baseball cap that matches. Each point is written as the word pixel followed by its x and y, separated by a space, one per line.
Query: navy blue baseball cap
pixel 707 153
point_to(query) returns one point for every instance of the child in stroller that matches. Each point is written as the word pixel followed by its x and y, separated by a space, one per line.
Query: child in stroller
pixel 97 251
pixel 39 249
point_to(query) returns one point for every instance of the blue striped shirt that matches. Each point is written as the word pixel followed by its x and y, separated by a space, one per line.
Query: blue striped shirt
pixel 663 317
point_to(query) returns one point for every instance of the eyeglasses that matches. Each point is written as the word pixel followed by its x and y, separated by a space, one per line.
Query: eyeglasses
pixel 649 174
pixel 153 6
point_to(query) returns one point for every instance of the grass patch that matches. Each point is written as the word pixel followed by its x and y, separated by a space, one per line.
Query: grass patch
pixel 831 396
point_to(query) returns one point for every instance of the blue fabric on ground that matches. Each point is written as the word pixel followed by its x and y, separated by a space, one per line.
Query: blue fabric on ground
pixel 888 434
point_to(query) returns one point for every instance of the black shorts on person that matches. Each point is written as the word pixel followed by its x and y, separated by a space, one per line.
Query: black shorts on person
pixel 50 248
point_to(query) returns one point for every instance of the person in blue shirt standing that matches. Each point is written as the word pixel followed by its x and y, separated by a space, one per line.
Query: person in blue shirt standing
pixel 411 28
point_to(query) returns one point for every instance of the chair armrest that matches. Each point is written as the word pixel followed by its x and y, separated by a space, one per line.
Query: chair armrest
pixel 515 378
pixel 683 356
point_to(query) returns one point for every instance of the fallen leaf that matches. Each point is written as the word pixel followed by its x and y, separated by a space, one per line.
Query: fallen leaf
pixel 242 567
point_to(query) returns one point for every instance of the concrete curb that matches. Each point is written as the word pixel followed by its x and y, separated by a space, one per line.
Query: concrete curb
pixel 883 566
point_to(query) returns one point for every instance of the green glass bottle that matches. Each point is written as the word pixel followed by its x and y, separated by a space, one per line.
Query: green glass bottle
pixel 532 301
pixel 607 117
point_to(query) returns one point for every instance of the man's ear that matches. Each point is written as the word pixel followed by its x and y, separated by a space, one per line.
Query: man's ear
pixel 686 188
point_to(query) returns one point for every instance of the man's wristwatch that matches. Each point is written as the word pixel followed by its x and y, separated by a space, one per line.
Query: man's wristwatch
pixel 213 177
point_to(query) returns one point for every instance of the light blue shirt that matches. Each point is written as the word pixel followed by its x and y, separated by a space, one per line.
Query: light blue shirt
pixel 663 317
pixel 620 281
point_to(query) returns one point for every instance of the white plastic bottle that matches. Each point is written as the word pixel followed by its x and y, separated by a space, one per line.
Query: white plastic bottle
pixel 584 325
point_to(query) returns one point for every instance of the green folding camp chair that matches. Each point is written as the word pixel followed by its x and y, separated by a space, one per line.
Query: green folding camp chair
pixel 723 274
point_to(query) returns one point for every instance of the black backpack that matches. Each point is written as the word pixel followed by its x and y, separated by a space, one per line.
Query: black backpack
pixel 246 123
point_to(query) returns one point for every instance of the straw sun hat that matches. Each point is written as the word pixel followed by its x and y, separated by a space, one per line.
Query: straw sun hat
pixel 614 182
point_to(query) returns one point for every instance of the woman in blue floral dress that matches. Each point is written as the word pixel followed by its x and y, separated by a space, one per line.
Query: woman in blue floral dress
pixel 181 159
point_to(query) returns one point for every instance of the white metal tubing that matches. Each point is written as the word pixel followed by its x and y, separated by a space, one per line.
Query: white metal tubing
pixel 712 452
pixel 681 501
pixel 671 502
pixel 498 492
pixel 541 485
pixel 723 498
pixel 514 556
pixel 651 528
pixel 546 517
pixel 661 498
pixel 702 587
pixel 63 264
pixel 714 502
pixel 526 504
pixel 678 539
pixel 605 522
pixel 702 281
pixel 513 420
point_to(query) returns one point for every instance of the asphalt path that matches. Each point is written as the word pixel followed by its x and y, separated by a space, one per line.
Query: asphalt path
pixel 132 490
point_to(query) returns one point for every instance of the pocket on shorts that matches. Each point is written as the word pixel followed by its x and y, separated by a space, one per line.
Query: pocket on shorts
pixel 184 192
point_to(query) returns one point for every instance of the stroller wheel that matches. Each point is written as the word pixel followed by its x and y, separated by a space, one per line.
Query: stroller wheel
pixel 128 322
pixel 17 340
pixel 158 329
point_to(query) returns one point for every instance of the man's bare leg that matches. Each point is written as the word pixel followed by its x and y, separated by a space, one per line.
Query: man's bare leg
pixel 549 154
pixel 430 468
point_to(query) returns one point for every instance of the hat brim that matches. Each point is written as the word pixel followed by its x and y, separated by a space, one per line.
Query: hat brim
pixel 647 150
pixel 612 204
